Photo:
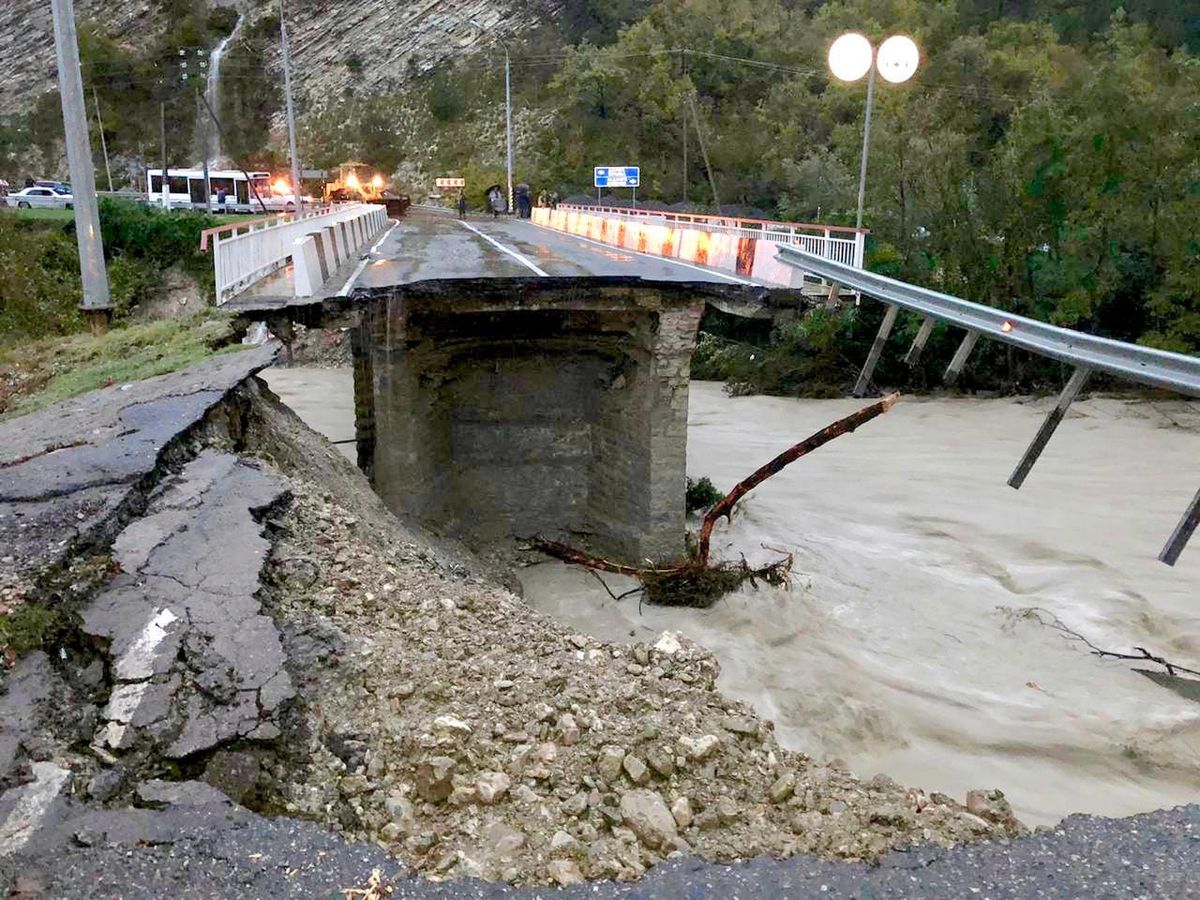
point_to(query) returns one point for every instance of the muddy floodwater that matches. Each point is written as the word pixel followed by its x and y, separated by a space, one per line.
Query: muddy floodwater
pixel 904 645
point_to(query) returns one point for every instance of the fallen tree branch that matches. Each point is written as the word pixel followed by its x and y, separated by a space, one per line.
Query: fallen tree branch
pixel 569 554
pixel 696 582
pixel 787 457
pixel 1142 655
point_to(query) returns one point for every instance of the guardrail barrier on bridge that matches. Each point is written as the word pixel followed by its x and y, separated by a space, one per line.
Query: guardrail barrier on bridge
pixel 322 239
pixel 746 247
pixel 1087 353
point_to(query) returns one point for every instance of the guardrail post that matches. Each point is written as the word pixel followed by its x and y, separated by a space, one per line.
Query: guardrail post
pixel 860 249
pixel 1183 531
pixel 960 357
pixel 1069 392
pixel 913 356
pixel 332 243
pixel 868 369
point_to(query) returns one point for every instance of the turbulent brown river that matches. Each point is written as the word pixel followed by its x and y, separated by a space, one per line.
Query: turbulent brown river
pixel 902 646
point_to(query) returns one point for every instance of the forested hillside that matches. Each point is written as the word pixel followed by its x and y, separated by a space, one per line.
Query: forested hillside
pixel 1046 157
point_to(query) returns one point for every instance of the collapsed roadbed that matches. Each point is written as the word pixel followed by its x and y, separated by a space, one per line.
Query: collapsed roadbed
pixel 259 672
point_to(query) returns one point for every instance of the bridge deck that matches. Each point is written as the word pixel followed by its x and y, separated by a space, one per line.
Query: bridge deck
pixel 428 245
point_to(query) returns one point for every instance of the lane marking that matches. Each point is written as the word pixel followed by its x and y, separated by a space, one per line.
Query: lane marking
pixel 362 264
pixel 499 246
pixel 137 662
pixel 669 259
pixel 33 803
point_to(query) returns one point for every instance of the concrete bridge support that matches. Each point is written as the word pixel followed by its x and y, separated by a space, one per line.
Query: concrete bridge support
pixel 494 413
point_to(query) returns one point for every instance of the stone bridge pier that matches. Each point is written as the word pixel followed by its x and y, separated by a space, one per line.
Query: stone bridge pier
pixel 558 410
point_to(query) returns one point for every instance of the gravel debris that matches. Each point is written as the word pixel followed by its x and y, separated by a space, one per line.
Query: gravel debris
pixel 445 720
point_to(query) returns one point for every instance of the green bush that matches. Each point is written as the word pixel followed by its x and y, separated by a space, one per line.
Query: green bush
pixel 39 265
pixel 161 238
pixel 222 20
pixel 702 494
pixel 807 356
pixel 39 280
pixel 26 628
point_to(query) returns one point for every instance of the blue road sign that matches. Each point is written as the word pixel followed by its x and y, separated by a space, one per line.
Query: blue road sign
pixel 617 176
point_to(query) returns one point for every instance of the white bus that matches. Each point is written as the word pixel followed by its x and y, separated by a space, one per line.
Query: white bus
pixel 186 187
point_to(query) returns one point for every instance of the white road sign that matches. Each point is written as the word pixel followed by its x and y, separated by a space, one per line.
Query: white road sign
pixel 450 182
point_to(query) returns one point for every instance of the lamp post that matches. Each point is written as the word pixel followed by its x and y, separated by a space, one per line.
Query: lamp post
pixel 850 58
pixel 508 142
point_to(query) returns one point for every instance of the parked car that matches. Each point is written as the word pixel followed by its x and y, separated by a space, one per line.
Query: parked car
pixel 43 197
pixel 61 186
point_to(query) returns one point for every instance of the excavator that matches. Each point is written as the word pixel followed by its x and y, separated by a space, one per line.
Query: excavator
pixel 356 181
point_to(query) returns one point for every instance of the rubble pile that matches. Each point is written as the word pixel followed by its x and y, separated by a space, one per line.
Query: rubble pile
pixel 470 735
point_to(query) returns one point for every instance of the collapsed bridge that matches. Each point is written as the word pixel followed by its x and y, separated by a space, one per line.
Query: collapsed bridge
pixel 450 318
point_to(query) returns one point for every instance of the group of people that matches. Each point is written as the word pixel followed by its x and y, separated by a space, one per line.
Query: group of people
pixel 494 196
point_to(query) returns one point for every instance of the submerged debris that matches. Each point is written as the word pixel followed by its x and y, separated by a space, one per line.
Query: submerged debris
pixel 697 581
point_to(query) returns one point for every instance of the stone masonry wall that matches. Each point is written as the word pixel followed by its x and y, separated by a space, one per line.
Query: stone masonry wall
pixel 551 419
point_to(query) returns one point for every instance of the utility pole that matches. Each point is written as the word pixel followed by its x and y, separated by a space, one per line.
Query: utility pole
pixel 96 303
pixel 291 110
pixel 683 74
pixel 508 141
pixel 712 180
pixel 162 134
pixel 103 142
pixel 508 124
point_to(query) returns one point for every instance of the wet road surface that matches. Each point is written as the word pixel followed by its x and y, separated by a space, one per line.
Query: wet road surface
pixel 427 245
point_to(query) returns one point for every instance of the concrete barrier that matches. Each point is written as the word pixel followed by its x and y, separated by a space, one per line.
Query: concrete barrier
pixel 307 266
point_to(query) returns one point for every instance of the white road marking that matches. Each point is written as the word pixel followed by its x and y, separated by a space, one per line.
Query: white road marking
pixel 31 806
pixel 669 259
pixel 499 246
pixel 138 661
pixel 349 285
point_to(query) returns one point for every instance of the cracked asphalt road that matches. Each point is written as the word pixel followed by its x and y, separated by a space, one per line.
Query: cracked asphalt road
pixel 67 471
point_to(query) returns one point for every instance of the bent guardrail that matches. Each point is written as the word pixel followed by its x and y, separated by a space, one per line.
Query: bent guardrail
pixel 1086 352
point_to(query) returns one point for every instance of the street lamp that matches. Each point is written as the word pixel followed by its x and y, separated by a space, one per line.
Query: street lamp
pixel 850 58
pixel 508 147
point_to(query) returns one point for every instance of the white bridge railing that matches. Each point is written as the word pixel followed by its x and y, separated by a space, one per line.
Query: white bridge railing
pixel 246 253
pixel 839 243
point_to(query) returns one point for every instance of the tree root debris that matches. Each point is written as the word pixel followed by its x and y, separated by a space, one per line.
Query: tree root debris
pixel 698 582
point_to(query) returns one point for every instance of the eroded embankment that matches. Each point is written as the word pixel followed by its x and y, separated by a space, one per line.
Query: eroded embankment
pixel 433 711
pixel 440 715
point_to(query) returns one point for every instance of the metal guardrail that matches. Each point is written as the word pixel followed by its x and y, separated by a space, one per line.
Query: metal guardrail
pixel 1158 368
pixel 1087 353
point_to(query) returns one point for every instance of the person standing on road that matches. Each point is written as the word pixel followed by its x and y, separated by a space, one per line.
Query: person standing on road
pixel 462 205
pixel 495 200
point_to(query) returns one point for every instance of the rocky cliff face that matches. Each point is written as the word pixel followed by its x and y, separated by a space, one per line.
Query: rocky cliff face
pixel 27 67
pixel 370 45
pixel 374 45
